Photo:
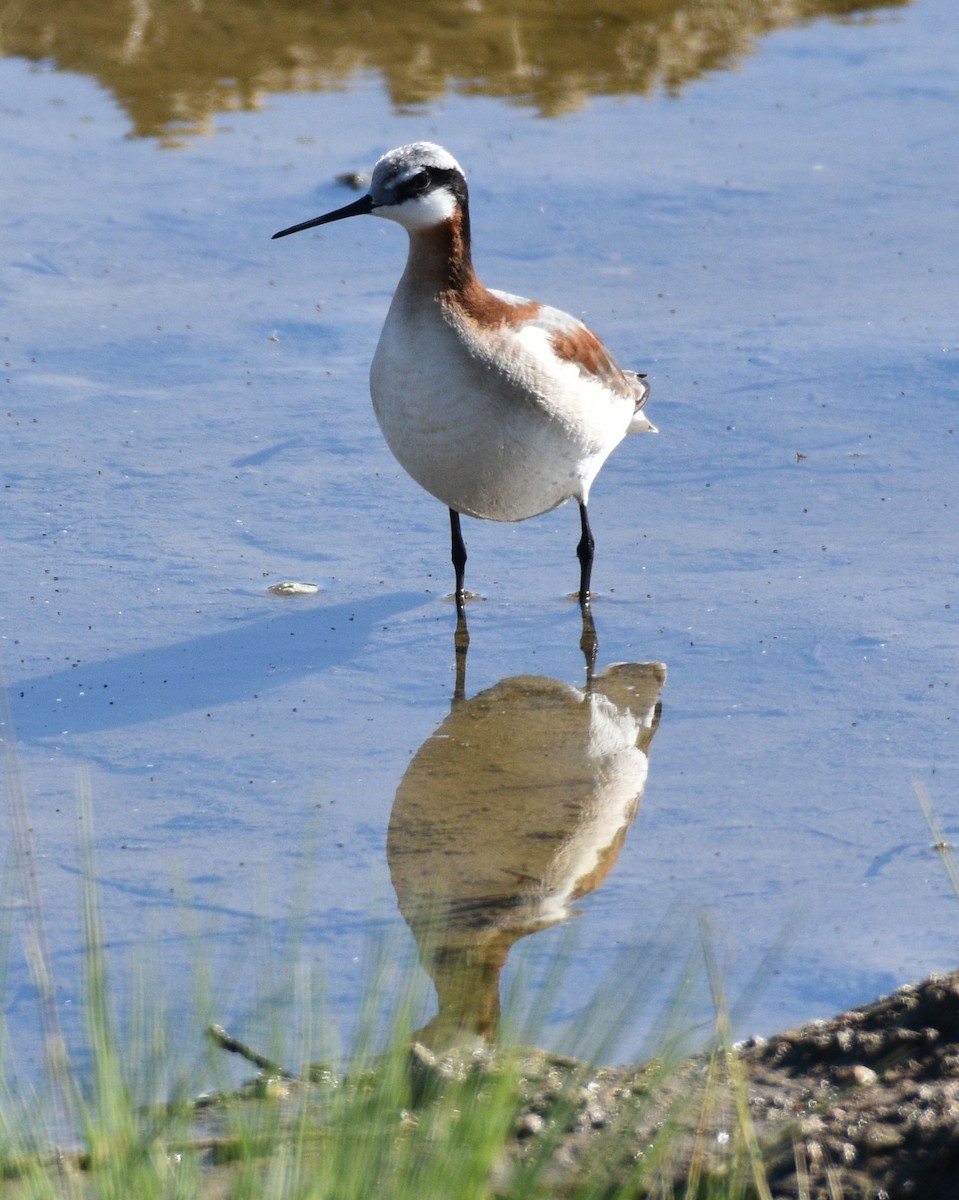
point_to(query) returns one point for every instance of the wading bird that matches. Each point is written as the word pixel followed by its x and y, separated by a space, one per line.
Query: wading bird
pixel 500 407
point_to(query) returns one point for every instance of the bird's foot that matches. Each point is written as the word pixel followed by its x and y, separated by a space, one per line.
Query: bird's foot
pixel 461 599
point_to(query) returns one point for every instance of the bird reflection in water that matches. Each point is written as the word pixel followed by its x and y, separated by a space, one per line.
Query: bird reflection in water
pixel 514 808
pixel 588 643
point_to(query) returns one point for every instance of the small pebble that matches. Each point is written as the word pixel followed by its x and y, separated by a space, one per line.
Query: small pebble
pixel 529 1125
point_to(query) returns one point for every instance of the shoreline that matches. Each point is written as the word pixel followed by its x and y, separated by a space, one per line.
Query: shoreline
pixel 862 1104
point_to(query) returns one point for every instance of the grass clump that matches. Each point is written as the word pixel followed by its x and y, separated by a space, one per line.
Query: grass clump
pixel 473 1121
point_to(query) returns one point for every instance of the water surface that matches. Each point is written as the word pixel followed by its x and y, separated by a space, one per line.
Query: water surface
pixel 187 422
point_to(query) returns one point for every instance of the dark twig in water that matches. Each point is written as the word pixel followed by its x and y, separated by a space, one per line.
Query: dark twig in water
pixel 227 1042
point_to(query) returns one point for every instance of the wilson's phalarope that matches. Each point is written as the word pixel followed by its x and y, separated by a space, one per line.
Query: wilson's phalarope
pixel 500 407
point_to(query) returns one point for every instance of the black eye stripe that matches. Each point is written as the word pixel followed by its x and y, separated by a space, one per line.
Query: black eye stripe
pixel 439 176
pixel 428 179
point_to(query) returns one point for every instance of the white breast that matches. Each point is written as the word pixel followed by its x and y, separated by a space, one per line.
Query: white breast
pixel 489 422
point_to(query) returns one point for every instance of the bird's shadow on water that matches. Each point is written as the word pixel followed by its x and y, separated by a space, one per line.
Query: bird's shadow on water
pixel 200 672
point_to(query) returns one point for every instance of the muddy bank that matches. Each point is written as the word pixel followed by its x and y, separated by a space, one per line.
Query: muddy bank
pixel 864 1104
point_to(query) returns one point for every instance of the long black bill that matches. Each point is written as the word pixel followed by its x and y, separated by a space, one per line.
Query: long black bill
pixel 357 209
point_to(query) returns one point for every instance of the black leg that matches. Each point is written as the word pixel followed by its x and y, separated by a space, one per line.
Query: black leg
pixel 584 552
pixel 459 561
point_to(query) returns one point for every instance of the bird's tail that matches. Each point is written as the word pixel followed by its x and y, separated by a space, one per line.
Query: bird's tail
pixel 640 423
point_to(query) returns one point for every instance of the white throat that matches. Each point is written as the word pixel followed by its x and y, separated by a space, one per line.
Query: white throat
pixel 420 212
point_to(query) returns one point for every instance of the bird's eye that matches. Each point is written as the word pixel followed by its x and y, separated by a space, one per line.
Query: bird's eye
pixel 418 183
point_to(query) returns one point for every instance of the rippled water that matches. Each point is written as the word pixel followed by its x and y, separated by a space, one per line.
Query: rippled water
pixel 186 423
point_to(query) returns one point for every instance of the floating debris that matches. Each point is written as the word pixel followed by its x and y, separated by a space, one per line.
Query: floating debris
pixel 290 588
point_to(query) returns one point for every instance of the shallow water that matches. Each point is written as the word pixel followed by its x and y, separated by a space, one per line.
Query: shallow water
pixel 187 423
